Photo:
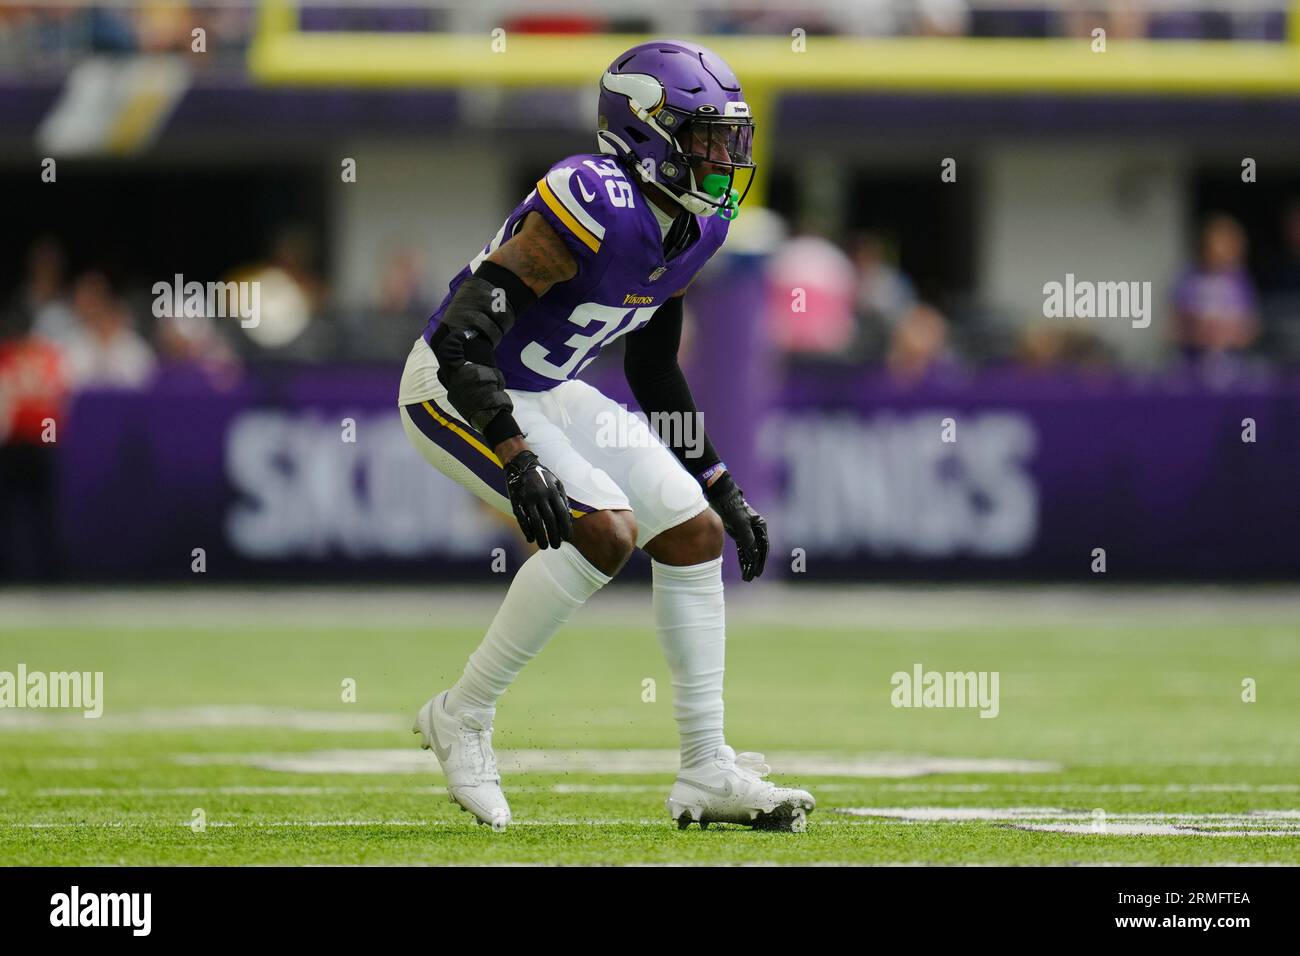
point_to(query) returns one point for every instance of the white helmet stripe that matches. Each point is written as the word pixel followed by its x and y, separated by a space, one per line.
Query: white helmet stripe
pixel 645 96
pixel 642 89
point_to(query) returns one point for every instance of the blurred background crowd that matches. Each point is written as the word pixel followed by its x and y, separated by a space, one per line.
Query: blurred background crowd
pixel 58 32
pixel 174 161
pixel 884 287
pixel 841 299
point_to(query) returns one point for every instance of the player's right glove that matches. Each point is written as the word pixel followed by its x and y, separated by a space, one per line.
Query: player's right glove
pixel 539 502
pixel 745 525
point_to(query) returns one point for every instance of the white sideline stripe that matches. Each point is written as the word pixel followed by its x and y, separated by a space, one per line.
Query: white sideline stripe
pixel 1051 813
pixel 301 608
pixel 1269 823
pixel 1147 829
pixel 464 824
pixel 422 791
pixel 633 788
pixel 204 716
pixel 87 763
pixel 414 761
pixel 225 791
pixel 1111 829
pixel 1019 787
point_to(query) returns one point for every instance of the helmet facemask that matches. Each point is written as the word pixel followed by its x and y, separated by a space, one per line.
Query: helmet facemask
pixel 717 154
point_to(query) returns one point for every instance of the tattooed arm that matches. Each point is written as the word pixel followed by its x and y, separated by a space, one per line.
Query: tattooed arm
pixel 537 255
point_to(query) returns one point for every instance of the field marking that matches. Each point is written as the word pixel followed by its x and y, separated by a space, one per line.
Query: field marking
pixel 227 791
pixel 1149 829
pixel 1020 787
pixel 785 763
pixel 1002 814
pixel 421 791
pixel 812 606
pixel 1262 823
pixel 1129 825
pixel 205 716
pixel 88 763
pixel 637 789
pixel 463 824
pixel 1275 758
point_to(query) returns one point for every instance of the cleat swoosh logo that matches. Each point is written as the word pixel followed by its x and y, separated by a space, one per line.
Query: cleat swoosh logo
pixel 726 790
pixel 444 753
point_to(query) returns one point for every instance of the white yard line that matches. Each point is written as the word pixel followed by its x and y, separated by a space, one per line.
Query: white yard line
pixel 1028 785
pixel 463 824
pixel 224 791
pixel 811 606
pixel 205 716
pixel 797 763
pixel 1255 823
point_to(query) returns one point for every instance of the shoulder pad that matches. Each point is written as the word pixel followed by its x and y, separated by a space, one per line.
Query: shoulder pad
pixel 587 195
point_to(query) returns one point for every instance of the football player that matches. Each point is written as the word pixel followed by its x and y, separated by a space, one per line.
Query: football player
pixel 603 248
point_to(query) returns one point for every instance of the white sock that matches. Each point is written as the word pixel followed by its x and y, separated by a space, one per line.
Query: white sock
pixel 547 589
pixel 691 623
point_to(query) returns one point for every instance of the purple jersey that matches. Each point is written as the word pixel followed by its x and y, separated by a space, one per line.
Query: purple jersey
pixel 622 277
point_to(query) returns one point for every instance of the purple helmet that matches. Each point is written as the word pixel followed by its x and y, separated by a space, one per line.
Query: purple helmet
pixel 668 108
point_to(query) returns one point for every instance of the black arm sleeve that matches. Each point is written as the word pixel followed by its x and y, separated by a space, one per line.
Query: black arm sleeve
pixel 481 312
pixel 650 364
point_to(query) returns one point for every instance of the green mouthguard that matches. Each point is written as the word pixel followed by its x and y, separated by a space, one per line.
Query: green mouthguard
pixel 715 185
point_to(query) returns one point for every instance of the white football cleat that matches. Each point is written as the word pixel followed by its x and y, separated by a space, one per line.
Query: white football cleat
pixel 730 789
pixel 463 746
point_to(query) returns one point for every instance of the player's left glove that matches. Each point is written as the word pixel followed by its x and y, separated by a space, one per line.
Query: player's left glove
pixel 745 525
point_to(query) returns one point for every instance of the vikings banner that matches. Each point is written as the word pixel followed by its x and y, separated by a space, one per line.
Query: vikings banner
pixel 306 474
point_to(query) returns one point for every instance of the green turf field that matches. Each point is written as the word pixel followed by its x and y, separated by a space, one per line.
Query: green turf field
pixel 225 739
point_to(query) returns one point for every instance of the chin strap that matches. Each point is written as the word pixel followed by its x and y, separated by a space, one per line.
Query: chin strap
pixel 692 204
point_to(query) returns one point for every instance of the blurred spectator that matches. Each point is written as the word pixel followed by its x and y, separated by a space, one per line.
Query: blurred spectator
pixel 61 34
pixel 810 286
pixel 195 341
pixel 918 346
pixel 42 305
pixel 404 286
pixel 1046 347
pixel 294 251
pixel 291 295
pixel 1121 21
pixel 162 26
pixel 1215 308
pixel 104 350
pixel 33 394
pixel 942 17
pixel 882 295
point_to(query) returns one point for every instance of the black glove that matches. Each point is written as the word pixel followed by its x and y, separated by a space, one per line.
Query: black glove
pixel 745 525
pixel 539 502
